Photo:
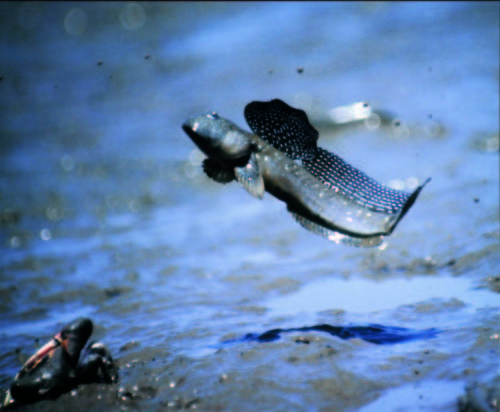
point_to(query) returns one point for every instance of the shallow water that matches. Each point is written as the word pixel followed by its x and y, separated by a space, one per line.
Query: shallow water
pixel 360 296
pixel 105 211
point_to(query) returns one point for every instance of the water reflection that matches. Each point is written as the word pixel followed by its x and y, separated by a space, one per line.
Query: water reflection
pixel 351 113
pixel 442 395
pixel 365 296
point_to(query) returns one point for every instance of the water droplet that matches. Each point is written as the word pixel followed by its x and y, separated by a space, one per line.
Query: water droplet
pixel 45 234
pixel 133 16
pixel 75 22
pixel 67 163
pixel 134 205
pixel 411 183
pixel 373 121
pixel 54 213
pixel 396 184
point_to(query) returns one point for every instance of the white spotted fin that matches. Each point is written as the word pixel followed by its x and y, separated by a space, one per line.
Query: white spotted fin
pixel 337 237
pixel 250 178
pixel 335 172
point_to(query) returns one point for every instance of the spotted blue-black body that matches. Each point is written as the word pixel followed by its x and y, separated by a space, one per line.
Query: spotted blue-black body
pixel 321 208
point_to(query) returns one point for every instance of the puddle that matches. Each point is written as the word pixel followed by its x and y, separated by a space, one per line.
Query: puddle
pixel 428 396
pixel 364 296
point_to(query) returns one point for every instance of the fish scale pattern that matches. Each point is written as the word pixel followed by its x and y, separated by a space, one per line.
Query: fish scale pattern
pixel 284 127
pixel 334 172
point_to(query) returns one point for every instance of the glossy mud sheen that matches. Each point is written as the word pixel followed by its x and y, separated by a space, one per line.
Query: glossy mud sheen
pixel 106 213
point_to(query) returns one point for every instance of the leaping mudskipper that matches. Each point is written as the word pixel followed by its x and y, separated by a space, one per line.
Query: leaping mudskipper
pixel 326 195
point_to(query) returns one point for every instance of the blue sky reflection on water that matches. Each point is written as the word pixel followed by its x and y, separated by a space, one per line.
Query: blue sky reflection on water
pixel 365 296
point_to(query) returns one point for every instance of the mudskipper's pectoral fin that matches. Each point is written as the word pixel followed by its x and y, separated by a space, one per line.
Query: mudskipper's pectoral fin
pixel 337 237
pixel 250 178
pixel 217 172
pixel 286 128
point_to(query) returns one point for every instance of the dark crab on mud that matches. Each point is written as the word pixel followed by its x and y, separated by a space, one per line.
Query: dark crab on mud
pixel 56 367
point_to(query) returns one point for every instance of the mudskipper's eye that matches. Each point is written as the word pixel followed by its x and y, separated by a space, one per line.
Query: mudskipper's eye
pixel 213 115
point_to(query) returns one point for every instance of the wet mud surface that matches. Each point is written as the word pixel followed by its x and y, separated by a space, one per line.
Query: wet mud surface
pixel 105 211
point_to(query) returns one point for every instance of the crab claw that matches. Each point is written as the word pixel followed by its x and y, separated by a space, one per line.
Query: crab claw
pixel 51 368
pixel 44 351
pixel 41 356
pixel 73 338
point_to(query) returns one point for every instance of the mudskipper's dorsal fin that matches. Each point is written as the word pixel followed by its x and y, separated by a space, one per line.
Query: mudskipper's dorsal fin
pixel 284 127
pixel 337 237
pixel 250 178
pixel 215 171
